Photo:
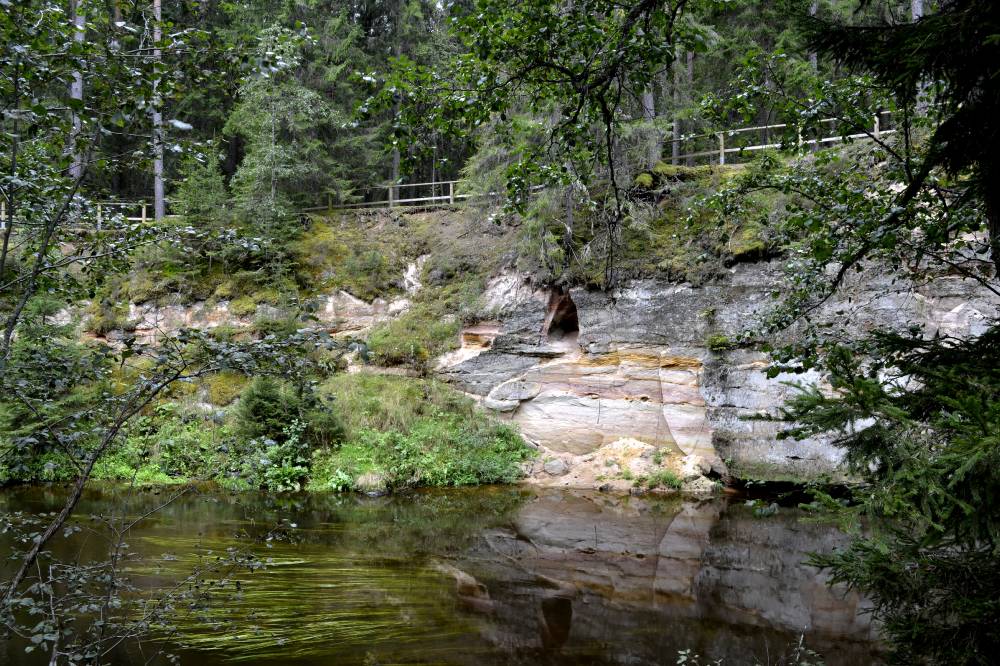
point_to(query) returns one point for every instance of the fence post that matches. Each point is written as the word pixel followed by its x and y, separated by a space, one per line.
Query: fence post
pixel 143 212
pixel 722 148
pixel 100 217
pixel 877 128
pixel 392 195
pixel 451 192
pixel 799 139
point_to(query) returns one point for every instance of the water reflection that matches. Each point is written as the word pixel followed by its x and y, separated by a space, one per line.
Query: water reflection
pixel 494 575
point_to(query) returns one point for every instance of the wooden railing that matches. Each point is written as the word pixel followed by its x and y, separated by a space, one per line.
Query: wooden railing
pixel 436 193
pixel 717 147
pixel 130 211
pixel 730 144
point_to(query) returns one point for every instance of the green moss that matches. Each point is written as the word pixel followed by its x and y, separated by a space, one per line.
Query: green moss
pixel 225 290
pixel 718 342
pixel 644 180
pixel 243 306
pixel 224 387
pixel 106 316
pixel 345 256
pixel 680 172
pixel 268 295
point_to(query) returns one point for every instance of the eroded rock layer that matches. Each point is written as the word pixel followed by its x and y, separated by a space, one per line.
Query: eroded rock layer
pixel 577 369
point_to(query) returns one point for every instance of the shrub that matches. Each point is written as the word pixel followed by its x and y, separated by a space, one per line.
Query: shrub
pixel 163 448
pixel 269 464
pixel 265 410
pixel 201 195
pixel 267 407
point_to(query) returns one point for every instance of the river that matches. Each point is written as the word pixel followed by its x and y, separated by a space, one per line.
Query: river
pixel 499 575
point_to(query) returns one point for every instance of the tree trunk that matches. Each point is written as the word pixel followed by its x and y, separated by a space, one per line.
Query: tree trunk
pixel 76 17
pixel 159 207
pixel 813 60
pixel 690 87
pixel 397 49
pixel 654 140
pixel 675 143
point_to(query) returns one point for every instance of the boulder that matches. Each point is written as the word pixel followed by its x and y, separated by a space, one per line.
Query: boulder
pixel 556 467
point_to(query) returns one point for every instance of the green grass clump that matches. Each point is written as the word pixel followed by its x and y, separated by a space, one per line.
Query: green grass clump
pixel 401 431
pixel 383 402
pixel 437 450
pixel 224 387
pixel 414 338
pixel 664 478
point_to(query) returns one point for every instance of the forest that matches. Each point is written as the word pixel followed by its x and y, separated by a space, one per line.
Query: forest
pixel 441 273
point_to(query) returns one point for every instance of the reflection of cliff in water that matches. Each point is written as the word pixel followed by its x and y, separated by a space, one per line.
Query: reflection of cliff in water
pixel 577 574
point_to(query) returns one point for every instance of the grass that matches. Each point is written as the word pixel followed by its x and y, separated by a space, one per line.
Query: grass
pixel 382 402
pixel 429 328
pixel 437 450
pixel 401 431
pixel 664 478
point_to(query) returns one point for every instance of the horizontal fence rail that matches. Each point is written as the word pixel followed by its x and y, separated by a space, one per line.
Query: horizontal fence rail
pixel 435 193
pixel 105 211
pixel 722 146
pixel 716 147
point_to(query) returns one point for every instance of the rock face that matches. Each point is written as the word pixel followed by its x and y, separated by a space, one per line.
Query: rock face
pixel 340 312
pixel 578 369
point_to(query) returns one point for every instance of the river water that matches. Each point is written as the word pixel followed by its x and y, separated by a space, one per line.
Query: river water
pixel 497 575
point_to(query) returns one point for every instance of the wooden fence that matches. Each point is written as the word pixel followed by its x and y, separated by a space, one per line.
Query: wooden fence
pixel 105 211
pixel 736 145
pixel 717 147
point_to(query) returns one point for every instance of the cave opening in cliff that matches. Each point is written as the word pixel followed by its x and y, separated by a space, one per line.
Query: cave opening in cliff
pixel 561 322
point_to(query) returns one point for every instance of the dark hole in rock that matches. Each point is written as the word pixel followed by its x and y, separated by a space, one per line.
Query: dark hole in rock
pixel 561 321
pixel 556 621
